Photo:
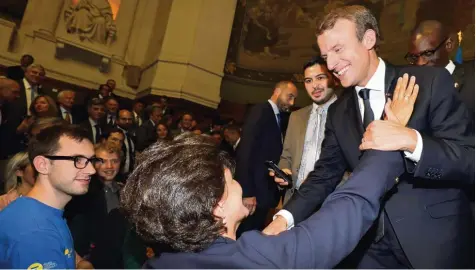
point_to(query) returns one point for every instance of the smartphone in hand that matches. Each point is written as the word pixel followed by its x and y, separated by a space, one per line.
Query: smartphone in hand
pixel 279 173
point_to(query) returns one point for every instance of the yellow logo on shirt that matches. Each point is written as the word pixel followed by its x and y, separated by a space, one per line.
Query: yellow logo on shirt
pixel 68 253
pixel 35 266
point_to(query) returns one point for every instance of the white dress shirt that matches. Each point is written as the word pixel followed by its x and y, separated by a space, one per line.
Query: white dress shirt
pixel 126 143
pixel 93 124
pixel 137 117
pixel 451 67
pixel 275 110
pixel 377 102
pixel 64 112
pixel 313 139
pixel 236 144
pixel 28 94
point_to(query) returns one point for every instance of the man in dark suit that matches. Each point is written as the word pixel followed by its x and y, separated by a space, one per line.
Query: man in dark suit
pixel 15 112
pixel 191 171
pixel 112 107
pixel 125 123
pixel 9 92
pixel 429 209
pixel 232 137
pixel 17 73
pixel 431 44
pixel 147 134
pixel 261 141
pixel 93 124
pixel 67 111
pixel 138 113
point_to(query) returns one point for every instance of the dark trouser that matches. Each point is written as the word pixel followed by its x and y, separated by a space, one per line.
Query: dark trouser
pixel 257 221
pixel 386 253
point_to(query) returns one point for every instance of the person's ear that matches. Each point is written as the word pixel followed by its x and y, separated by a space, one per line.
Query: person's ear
pixel 41 164
pixel 219 210
pixel 19 173
pixel 369 39
pixel 450 43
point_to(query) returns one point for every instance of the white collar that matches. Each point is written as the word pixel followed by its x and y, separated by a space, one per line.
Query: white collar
pixel 92 122
pixel 27 84
pixel 63 110
pixel 275 107
pixel 451 67
pixel 377 81
pixel 153 124
pixel 237 142
pixel 326 105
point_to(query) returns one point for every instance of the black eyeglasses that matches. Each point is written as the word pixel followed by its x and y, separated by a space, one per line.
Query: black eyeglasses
pixel 80 162
pixel 413 58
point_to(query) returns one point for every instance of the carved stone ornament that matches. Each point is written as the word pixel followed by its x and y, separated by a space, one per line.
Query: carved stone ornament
pixel 91 20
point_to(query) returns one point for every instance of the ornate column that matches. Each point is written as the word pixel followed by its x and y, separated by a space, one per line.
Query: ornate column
pixel 190 62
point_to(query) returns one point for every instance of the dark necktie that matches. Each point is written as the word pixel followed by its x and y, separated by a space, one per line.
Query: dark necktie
pixel 368 113
pixel 98 134
pixel 278 116
pixel 110 122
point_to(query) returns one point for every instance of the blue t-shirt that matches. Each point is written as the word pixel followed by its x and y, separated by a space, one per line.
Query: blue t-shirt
pixel 34 235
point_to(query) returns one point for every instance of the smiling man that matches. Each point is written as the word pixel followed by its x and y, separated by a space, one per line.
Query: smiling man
pixel 33 232
pixel 305 131
pixel 437 143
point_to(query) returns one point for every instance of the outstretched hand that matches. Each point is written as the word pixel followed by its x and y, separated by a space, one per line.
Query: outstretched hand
pixel 400 108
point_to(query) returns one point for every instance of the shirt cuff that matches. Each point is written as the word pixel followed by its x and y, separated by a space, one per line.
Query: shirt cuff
pixel 416 155
pixel 287 216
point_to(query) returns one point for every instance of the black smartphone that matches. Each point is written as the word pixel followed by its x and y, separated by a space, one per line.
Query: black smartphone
pixel 279 173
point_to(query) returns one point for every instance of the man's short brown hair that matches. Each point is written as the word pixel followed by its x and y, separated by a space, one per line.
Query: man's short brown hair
pixel 47 141
pixel 360 15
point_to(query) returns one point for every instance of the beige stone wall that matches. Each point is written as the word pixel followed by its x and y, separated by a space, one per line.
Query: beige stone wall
pixel 179 46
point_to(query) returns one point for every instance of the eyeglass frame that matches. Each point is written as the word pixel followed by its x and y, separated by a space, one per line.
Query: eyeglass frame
pixel 431 52
pixel 75 159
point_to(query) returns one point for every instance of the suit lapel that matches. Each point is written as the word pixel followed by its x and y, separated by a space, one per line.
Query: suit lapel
pixel 302 128
pixel 273 116
pixel 352 116
pixel 390 82
pixel 458 77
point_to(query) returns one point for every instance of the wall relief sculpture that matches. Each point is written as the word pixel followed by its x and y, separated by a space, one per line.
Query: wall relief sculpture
pixel 91 20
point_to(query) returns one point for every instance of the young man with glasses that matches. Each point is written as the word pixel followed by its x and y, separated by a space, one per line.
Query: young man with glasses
pixel 431 45
pixel 33 232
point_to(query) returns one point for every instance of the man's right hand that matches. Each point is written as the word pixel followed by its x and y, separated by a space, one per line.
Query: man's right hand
pixel 277 226
pixel 278 180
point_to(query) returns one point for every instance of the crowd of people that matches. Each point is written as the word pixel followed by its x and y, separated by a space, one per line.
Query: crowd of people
pixel 380 176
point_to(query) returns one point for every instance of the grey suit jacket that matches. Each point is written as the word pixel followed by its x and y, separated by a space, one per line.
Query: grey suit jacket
pixel 294 141
pixel 294 145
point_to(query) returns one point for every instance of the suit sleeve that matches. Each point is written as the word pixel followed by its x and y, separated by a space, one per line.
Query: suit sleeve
pixel 329 235
pixel 244 157
pixel 327 173
pixel 448 153
pixel 286 158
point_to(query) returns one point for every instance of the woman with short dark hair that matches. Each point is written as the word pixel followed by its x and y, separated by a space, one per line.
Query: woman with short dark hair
pixel 182 195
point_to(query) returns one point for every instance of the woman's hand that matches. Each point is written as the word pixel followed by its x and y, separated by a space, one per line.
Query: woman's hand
pixel 400 108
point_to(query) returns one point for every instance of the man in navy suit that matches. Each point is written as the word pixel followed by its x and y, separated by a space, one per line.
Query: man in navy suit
pixel 197 208
pixel 430 208
pixel 262 140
